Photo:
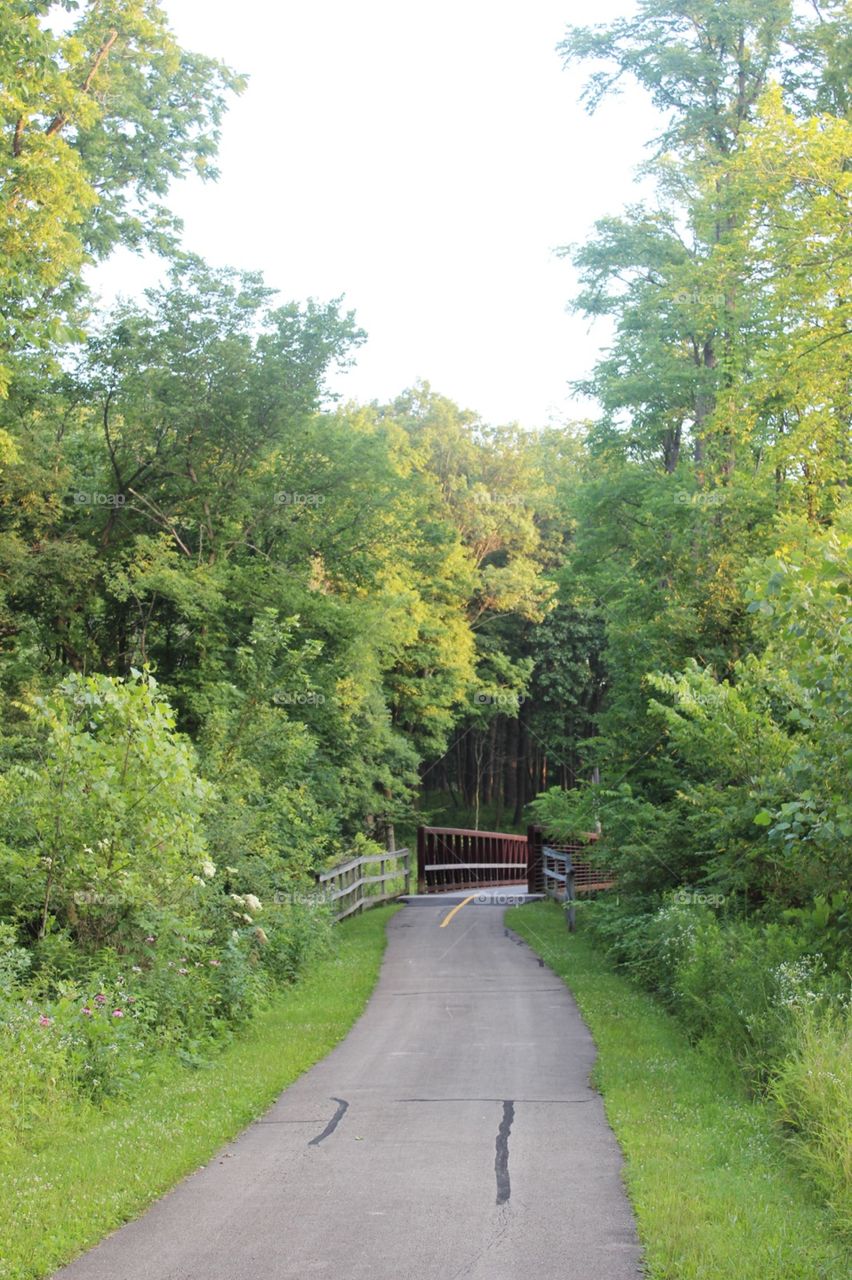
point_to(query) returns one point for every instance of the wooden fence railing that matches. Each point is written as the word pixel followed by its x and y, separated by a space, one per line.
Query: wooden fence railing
pixel 345 884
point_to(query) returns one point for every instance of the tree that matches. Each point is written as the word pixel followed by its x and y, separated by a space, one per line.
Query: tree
pixel 108 815
pixel 687 281
pixel 724 426
pixel 99 111
pixel 706 65
pixel 492 486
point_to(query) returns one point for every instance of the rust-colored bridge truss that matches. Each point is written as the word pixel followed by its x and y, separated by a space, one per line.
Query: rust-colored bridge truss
pixel 457 858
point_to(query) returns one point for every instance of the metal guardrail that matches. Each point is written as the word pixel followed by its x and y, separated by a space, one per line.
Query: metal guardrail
pixel 346 879
pixel 558 872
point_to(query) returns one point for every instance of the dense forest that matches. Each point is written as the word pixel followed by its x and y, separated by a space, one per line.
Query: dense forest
pixel 246 628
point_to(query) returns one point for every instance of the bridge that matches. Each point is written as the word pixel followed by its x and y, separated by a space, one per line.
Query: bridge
pixel 455 858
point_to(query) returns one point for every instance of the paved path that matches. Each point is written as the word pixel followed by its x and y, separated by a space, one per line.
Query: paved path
pixel 451 1135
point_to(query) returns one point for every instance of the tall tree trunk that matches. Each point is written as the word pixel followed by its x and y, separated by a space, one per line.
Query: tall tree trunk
pixel 521 783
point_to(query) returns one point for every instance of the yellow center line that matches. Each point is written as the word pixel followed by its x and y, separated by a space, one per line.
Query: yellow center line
pixel 448 917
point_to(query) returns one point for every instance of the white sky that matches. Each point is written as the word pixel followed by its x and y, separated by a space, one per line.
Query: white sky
pixel 425 161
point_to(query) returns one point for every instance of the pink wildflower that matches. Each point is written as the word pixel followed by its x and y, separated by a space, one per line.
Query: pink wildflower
pixel 117 1013
pixel 43 1021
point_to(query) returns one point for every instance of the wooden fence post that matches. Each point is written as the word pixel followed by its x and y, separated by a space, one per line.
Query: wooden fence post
pixel 421 860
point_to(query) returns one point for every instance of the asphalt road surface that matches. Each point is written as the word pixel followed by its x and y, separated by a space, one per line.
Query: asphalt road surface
pixel 453 1134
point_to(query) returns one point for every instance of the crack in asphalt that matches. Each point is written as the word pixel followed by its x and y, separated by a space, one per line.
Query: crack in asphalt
pixel 549 1101
pixel 342 1108
pixel 479 991
pixel 496 1240
pixel 501 1158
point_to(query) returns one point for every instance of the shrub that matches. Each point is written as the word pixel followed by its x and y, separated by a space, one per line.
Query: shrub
pixel 137 944
pixel 813 1090
pixel 731 982
pixel 107 817
pixel 15 961
pixel 730 987
pixel 35 1088
pixel 755 993
pixel 103 1037
pixel 296 931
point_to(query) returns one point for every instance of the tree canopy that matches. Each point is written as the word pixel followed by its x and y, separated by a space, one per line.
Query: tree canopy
pixel 100 109
pixel 324 620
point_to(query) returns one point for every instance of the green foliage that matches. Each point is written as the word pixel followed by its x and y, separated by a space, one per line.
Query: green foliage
pixel 15 961
pixel 98 112
pixel 240 623
pixel 738 986
pixel 743 788
pixel 710 519
pixel 813 1090
pixel 107 816
pixel 704 65
pixel 183 990
pixel 292 573
pixel 760 996
pixel 705 1165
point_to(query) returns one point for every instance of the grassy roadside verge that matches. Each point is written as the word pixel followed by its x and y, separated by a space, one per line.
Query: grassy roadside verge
pixel 101 1167
pixel 715 1195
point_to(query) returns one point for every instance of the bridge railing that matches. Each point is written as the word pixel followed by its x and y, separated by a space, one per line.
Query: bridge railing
pixel 455 858
pixel 589 877
pixel 348 889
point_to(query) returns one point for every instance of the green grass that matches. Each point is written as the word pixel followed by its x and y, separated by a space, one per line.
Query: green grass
pixel 707 1171
pixel 96 1168
pixel 812 1089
